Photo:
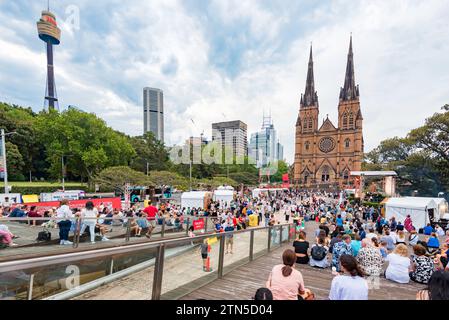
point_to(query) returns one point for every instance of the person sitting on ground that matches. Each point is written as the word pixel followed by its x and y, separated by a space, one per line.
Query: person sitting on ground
pixel 422 267
pixel 370 259
pixel 33 213
pixel 285 282
pixel 356 245
pixel 428 229
pixel 301 246
pixel 371 234
pixel 351 285
pixel 263 294
pixel 433 242
pixel 6 236
pixel 398 265
pixel 437 287
pixel 339 249
pixel 413 238
pixel 318 254
pixel 389 239
pixel 400 238
pixel 441 259
pixel 383 249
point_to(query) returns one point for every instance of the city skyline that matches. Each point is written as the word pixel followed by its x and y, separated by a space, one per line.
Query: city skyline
pixel 217 67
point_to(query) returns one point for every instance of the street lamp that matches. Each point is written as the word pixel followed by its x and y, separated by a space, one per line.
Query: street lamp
pixel 62 170
pixel 5 170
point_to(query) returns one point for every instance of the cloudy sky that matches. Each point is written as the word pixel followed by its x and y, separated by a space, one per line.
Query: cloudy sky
pixel 232 59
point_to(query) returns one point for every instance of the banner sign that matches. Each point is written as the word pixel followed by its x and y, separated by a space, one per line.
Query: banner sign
pixel 198 224
pixel 115 203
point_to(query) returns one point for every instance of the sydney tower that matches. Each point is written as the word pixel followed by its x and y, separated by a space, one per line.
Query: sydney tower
pixel 49 33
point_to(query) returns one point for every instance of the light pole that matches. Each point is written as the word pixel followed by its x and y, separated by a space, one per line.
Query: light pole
pixel 63 170
pixel 190 174
pixel 5 170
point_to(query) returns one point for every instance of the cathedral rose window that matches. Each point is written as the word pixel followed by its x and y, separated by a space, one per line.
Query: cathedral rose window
pixel 327 144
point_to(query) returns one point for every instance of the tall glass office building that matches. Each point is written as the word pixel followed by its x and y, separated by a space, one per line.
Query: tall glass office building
pixel 264 147
pixel 153 112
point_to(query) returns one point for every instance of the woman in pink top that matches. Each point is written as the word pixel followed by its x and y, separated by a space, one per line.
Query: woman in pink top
pixel 284 281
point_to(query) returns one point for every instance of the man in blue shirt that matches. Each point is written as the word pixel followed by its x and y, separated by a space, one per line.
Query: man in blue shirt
pixel 428 229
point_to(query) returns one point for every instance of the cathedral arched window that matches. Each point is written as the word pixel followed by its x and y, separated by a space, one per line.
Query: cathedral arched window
pixel 347 143
pixel 351 120
pixel 307 145
pixel 310 123
pixel 325 177
pixel 346 175
pixel 304 127
pixel 345 121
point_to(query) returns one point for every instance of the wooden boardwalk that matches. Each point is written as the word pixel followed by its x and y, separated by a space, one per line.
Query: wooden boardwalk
pixel 242 282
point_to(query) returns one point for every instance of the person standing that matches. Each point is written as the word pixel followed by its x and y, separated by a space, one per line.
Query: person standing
pixel 64 214
pixel 408 224
pixel 89 218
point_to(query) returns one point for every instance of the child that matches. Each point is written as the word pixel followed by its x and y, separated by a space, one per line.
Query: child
pixel 383 248
pixel 205 249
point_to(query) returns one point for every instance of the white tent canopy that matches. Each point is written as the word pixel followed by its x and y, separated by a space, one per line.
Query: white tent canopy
pixel 225 196
pixel 442 206
pixel 193 199
pixel 418 209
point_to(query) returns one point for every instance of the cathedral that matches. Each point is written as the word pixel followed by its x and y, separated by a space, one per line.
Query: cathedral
pixel 326 154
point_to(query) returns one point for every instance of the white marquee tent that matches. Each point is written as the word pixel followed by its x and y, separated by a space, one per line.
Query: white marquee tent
pixel 442 207
pixel 418 209
pixel 194 199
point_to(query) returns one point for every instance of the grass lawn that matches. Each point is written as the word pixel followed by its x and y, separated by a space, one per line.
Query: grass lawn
pixel 41 184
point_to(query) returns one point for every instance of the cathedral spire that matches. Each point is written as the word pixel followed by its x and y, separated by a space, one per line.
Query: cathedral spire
pixel 310 97
pixel 350 91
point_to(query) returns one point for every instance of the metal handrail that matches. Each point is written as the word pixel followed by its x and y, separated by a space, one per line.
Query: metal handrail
pixel 29 263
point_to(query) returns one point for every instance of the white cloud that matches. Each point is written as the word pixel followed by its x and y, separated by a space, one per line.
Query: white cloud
pixel 401 60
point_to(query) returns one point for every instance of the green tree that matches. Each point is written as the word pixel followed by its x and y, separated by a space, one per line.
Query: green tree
pixel 14 163
pixel 115 178
pixel 149 150
pixel 87 142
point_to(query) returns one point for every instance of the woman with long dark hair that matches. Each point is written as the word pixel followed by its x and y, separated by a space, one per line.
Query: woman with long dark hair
pixel 89 216
pixel 351 285
pixel 437 288
pixel 285 282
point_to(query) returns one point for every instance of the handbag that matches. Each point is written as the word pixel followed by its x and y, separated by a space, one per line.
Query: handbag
pixel 44 235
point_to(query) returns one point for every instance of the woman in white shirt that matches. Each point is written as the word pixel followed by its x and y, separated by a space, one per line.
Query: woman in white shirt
pixel 398 265
pixel 351 285
pixel 88 216
pixel 64 214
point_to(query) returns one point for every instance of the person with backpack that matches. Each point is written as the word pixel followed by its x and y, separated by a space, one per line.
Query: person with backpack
pixel 318 255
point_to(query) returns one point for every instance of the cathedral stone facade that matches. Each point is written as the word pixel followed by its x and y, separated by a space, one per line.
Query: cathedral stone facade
pixel 326 154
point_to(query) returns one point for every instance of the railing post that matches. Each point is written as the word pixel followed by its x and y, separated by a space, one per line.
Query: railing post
pixel 280 234
pixel 111 266
pixel 221 257
pixel 128 229
pixel 158 271
pixel 163 228
pixel 30 287
pixel 76 236
pixel 187 225
pixel 251 246
pixel 205 224
pixel 270 229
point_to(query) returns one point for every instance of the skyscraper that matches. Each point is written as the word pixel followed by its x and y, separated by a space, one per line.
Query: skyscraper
pixel 232 135
pixel 49 33
pixel 264 146
pixel 153 112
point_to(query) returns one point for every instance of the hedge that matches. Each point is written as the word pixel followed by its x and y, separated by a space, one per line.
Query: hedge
pixel 372 204
pixel 40 189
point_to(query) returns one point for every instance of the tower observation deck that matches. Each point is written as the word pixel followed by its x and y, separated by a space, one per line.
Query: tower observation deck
pixel 49 33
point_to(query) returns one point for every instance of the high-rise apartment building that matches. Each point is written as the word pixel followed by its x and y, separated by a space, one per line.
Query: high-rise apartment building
pixel 153 112
pixel 232 135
